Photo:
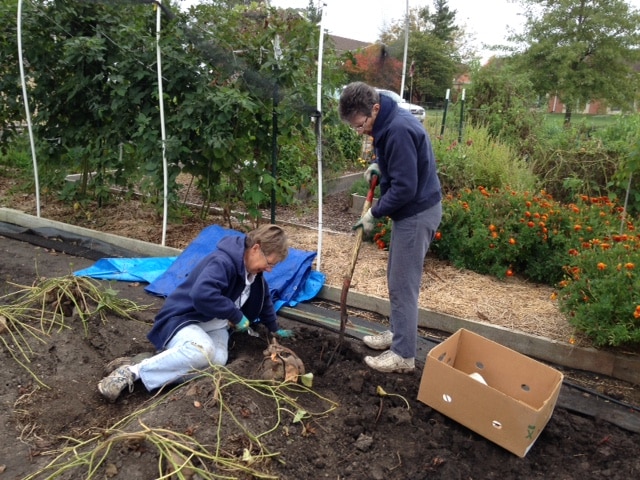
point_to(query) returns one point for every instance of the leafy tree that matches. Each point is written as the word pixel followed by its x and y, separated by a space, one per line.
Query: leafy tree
pixel 501 99
pixel 373 65
pixel 228 71
pixel 432 50
pixel 443 20
pixel 582 50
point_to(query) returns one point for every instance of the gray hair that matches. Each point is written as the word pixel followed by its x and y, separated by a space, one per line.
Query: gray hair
pixel 357 98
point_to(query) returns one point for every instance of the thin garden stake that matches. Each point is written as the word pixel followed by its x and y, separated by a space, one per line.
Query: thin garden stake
pixel 444 114
pixel 461 125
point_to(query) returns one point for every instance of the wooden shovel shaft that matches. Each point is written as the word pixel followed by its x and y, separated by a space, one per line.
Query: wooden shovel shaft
pixel 354 258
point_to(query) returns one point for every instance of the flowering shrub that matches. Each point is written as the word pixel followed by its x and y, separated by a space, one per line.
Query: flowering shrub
pixel 502 231
pixel 600 293
pixel 586 249
pixel 382 233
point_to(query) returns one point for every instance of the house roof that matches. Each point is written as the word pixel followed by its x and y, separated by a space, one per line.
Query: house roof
pixel 343 44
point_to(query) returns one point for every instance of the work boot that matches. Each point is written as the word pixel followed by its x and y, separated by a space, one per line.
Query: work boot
pixel 381 341
pixel 390 362
pixel 111 387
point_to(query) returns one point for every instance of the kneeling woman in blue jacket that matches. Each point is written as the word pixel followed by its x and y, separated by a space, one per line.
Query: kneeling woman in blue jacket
pixel 190 332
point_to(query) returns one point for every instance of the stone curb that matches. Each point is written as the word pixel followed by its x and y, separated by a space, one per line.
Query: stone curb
pixel 621 366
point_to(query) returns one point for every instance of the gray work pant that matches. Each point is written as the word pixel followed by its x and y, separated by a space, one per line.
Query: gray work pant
pixel 410 240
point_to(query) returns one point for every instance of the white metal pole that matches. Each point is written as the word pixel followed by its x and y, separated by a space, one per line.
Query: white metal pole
pixel 26 109
pixel 165 170
pixel 406 47
pixel 319 136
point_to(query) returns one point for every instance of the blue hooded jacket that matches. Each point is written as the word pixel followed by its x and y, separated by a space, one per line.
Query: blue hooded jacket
pixel 409 181
pixel 210 291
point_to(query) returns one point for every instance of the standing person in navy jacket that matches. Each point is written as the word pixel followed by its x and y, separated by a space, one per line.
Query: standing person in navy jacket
pixel 411 196
pixel 190 332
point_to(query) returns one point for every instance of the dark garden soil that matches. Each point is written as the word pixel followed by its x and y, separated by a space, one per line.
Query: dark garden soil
pixel 249 429
pixel 231 424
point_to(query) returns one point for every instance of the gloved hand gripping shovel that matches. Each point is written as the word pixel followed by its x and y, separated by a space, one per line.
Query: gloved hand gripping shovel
pixel 352 266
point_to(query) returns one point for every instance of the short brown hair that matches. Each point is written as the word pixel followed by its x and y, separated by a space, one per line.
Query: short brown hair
pixel 271 238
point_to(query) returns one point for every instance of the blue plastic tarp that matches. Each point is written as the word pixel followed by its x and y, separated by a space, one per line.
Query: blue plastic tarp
pixel 291 281
pixel 128 269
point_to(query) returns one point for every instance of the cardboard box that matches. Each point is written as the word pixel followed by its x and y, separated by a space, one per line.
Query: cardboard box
pixel 514 405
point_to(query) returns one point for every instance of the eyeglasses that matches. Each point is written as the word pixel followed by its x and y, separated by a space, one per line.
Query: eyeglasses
pixel 269 264
pixel 360 127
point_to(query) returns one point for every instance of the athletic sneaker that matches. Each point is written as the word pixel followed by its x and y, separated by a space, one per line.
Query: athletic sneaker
pixel 381 341
pixel 390 362
pixel 112 386
pixel 125 362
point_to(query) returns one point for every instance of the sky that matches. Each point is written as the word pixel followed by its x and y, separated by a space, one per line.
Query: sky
pixel 485 21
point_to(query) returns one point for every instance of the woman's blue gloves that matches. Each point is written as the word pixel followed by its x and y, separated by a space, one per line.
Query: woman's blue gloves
pixel 282 333
pixel 242 325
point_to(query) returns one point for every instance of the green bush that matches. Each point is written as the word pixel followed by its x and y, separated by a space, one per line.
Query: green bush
pixel 361 187
pixel 479 160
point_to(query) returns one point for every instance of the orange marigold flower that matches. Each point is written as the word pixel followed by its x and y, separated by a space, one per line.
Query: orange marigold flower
pixel 601 266
pixel 512 241
pixel 629 266
pixel 528 203
pixel 605 246
pixel 577 228
pixel 527 214
pixel 492 228
pixel 509 273
pixel 494 234
pixel 531 224
pixel 438 236
pixel 573 252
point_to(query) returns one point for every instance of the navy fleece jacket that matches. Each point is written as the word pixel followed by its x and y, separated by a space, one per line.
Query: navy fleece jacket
pixel 210 291
pixel 409 181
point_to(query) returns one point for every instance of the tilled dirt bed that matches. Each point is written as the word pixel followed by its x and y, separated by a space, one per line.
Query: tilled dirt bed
pixel 232 425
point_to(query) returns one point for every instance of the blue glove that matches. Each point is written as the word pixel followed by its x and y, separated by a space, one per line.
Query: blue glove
pixel 367 223
pixel 282 333
pixel 242 325
pixel 371 171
